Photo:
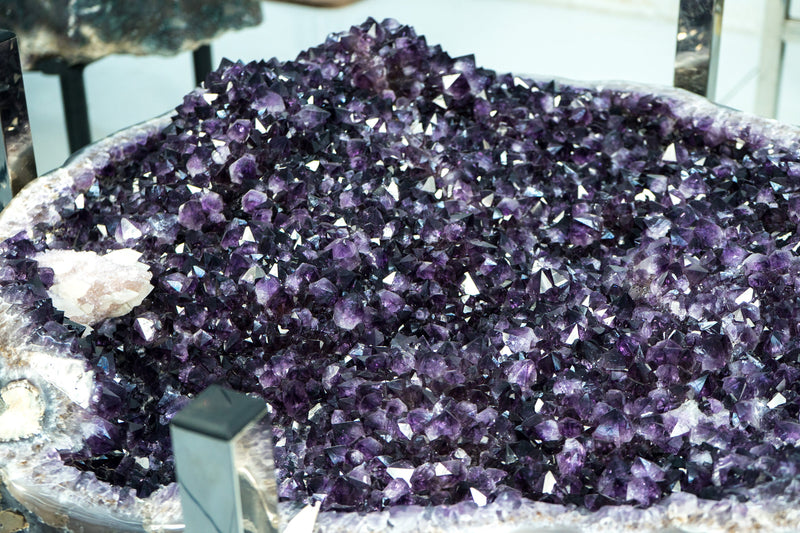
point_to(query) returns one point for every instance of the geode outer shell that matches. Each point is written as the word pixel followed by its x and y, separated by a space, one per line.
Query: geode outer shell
pixel 63 497
pixel 33 467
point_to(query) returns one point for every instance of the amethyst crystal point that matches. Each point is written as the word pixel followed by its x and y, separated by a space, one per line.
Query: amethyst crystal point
pixel 451 286
pixel 348 313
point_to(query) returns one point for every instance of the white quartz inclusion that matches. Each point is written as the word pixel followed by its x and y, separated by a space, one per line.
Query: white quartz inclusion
pixel 405 429
pixel 393 190
pixel 389 279
pixel 89 287
pixel 127 231
pixel 745 297
pixel 538 405
pixel 401 473
pixel 430 185
pixel 67 374
pixel 468 286
pixel 440 470
pixel 146 327
pixel 477 496
pixel 670 156
pixel 574 335
pixel 21 411
pixel 549 483
pixel 305 519
pixel 776 401
pixel 685 418
pixel 449 79
pixel 247 236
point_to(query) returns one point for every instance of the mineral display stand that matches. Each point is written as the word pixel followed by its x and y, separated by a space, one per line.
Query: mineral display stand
pixel 17 164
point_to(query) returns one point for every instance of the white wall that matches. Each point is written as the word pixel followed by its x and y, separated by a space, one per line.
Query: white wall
pixel 580 39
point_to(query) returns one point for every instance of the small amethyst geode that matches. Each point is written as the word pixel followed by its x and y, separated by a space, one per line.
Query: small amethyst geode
pixel 448 284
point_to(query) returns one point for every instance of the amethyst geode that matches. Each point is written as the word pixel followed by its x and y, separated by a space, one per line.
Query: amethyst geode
pixel 449 285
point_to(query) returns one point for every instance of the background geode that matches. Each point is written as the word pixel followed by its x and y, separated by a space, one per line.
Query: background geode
pixel 449 93
pixel 59 33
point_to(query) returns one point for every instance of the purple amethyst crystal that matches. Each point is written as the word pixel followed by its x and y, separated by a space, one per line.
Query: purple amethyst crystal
pixel 522 373
pixel 348 313
pixel 243 169
pixel 571 458
pixel 191 215
pixel 252 200
pixel 448 283
pixel 613 427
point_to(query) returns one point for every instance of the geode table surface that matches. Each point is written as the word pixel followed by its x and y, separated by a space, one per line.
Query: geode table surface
pixel 63 32
pixel 470 300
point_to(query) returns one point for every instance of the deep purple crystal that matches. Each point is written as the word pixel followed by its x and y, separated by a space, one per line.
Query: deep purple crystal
pixel 191 215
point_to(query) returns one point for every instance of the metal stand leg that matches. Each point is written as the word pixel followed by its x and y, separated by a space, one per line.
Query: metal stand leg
pixel 773 44
pixel 697 49
pixel 202 63
pixel 76 113
pixel 226 476
pixel 17 165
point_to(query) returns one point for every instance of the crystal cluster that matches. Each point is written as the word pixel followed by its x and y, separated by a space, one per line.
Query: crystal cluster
pixel 448 284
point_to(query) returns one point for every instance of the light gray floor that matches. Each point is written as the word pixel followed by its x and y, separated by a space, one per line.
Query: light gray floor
pixel 579 39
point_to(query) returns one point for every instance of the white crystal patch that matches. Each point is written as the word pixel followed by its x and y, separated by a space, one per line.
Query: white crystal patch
pixel 670 155
pixel 401 473
pixel 478 497
pixel 68 375
pixel 776 401
pixel 89 287
pixel 21 411
pixel 549 483
pixel 468 286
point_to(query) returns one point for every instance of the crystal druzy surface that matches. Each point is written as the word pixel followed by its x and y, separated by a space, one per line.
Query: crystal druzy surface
pixel 447 283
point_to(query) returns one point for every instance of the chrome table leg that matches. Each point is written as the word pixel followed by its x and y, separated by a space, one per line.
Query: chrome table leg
pixel 17 166
pixel 224 464
pixel 697 49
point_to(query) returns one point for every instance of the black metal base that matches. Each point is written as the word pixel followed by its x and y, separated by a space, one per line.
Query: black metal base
pixel 76 112
pixel 73 95
pixel 202 63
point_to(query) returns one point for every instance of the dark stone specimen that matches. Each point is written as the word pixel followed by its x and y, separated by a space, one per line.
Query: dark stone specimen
pixel 63 32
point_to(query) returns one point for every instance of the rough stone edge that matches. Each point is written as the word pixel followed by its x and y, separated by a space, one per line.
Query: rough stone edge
pixel 687 105
pixel 47 487
pixel 34 203
pixel 508 514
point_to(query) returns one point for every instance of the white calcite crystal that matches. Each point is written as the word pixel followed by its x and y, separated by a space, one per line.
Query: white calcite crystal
pixel 89 287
